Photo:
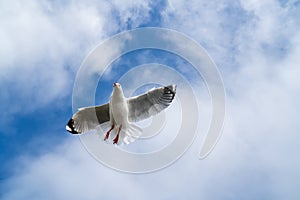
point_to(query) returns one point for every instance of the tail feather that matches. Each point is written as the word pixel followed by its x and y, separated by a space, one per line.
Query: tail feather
pixel 133 132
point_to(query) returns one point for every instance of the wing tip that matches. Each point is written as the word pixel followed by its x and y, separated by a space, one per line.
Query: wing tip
pixel 70 127
pixel 168 95
pixel 172 88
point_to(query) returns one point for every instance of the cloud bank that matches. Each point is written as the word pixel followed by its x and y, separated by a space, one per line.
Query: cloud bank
pixel 256 47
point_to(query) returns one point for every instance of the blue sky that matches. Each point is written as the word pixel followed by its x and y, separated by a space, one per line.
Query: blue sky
pixel 256 46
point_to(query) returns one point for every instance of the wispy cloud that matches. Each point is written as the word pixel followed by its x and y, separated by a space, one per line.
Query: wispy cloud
pixel 43 44
pixel 261 86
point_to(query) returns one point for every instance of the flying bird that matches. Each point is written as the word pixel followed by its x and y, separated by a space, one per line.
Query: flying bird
pixel 121 113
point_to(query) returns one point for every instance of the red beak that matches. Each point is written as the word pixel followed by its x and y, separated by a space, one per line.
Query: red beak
pixel 115 84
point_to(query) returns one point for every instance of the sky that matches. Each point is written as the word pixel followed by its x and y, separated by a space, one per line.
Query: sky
pixel 254 44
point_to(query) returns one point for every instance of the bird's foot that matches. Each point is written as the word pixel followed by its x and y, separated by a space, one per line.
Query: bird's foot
pixel 106 136
pixel 116 140
pixel 108 132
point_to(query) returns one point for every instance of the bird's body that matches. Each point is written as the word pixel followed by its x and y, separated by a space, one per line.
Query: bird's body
pixel 118 107
pixel 121 112
pixel 118 112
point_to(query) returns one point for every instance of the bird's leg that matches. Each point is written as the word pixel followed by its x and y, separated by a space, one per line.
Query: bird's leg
pixel 108 132
pixel 117 137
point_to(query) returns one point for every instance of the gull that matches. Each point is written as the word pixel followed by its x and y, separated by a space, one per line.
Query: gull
pixel 121 113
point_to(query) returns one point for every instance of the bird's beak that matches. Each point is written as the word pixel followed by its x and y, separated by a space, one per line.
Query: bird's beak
pixel 115 84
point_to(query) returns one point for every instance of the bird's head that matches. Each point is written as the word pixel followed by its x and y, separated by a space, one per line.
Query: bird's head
pixel 117 87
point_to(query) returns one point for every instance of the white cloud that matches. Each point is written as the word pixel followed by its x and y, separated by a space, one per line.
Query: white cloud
pixel 208 23
pixel 64 173
pixel 43 44
pixel 131 13
pixel 260 78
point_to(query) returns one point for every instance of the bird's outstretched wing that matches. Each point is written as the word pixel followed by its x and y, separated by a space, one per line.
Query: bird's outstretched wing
pixel 150 103
pixel 88 118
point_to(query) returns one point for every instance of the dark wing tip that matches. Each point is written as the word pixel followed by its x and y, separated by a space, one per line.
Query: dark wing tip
pixel 168 95
pixel 70 127
pixel 171 89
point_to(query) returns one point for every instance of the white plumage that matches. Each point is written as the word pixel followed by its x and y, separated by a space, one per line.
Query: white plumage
pixel 121 112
